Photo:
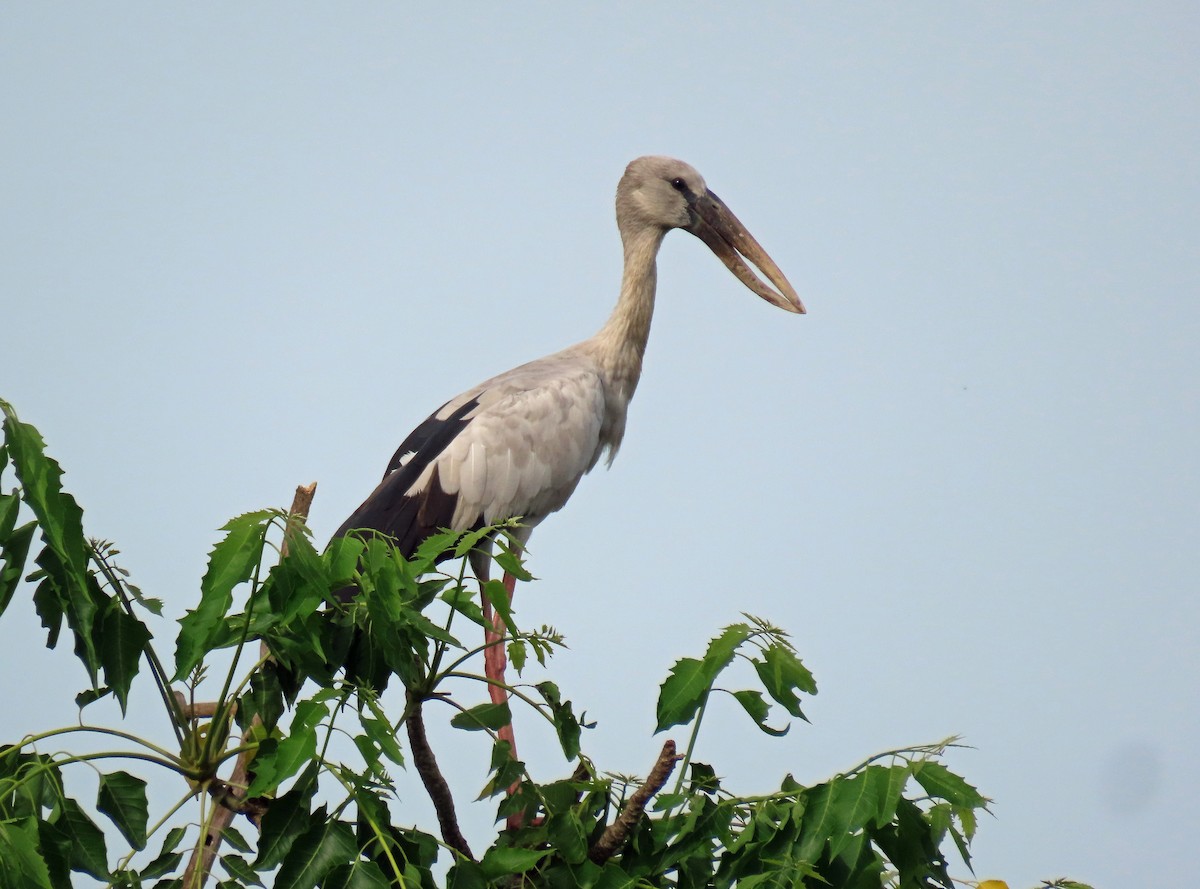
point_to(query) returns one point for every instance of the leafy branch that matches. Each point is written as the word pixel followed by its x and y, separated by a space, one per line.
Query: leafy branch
pixel 325 658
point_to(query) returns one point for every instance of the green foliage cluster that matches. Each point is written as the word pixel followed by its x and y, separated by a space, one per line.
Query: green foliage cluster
pixel 306 666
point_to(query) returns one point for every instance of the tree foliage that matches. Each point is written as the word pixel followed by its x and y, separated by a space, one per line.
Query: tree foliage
pixel 305 667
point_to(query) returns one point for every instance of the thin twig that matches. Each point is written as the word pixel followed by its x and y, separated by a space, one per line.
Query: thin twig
pixel 431 777
pixel 229 794
pixel 615 834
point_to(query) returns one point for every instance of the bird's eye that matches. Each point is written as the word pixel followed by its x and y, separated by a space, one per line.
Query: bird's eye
pixel 678 184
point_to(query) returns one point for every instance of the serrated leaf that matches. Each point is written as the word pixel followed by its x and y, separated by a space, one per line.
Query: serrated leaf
pixel 21 863
pixel 322 848
pixel 820 821
pixel 681 695
pixel 721 649
pixel 500 861
pixel 566 725
pixel 163 864
pixel 263 700
pixel 504 769
pixel 517 654
pixel 510 563
pixel 703 779
pixel 55 845
pixel 231 562
pixel 122 797
pixel 758 709
pixel 173 839
pixel 431 549
pixel 466 874
pixel 287 818
pixel 464 601
pixel 483 716
pixel 495 593
pixel 856 802
pixel 88 852
pixel 64 559
pixel 782 675
pixel 568 836
pixel 276 762
pixel 886 785
pixel 15 545
pixel 91 695
pixel 123 640
pixel 240 869
pixel 381 733
pixel 360 875
pixel 942 783
pixel 234 839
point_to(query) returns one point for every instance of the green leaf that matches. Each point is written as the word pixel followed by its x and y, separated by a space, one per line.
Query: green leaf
pixel 318 851
pixel 434 545
pixel 464 601
pixel 754 704
pixel 264 699
pixel 681 695
pixel 502 861
pixel 466 874
pixel 886 786
pixel 88 852
pixel 381 733
pixel 55 846
pixel 510 563
pixel 122 797
pixel 287 818
pixel 783 675
pixel 64 559
pixel 278 761
pixel 942 783
pixel 496 594
pixel 91 695
pixel 857 802
pixel 173 839
pixel 235 840
pixel 566 725
pixel 165 863
pixel 517 654
pixel 568 836
pixel 14 544
pixel 21 864
pixel 123 640
pixel 231 562
pixel 820 821
pixel 240 869
pixel 483 716
pixel 360 875
pixel 721 649
pixel 703 779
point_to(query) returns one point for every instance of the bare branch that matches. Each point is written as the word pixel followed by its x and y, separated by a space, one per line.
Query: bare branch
pixel 431 777
pixel 205 710
pixel 615 834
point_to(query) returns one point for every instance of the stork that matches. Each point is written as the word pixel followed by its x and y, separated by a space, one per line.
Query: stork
pixel 516 445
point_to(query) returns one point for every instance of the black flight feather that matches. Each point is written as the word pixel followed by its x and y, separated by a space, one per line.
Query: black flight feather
pixel 409 520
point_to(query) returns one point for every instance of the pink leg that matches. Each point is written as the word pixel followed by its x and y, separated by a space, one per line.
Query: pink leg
pixel 494 659
pixel 494 664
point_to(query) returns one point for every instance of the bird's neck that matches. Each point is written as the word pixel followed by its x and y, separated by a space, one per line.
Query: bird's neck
pixel 621 342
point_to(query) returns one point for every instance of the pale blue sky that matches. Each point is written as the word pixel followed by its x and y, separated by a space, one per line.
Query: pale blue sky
pixel 245 249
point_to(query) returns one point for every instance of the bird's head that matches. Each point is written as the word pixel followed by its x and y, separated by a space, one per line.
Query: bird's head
pixel 664 193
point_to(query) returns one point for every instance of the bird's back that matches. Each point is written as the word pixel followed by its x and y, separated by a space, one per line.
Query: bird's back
pixel 515 445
